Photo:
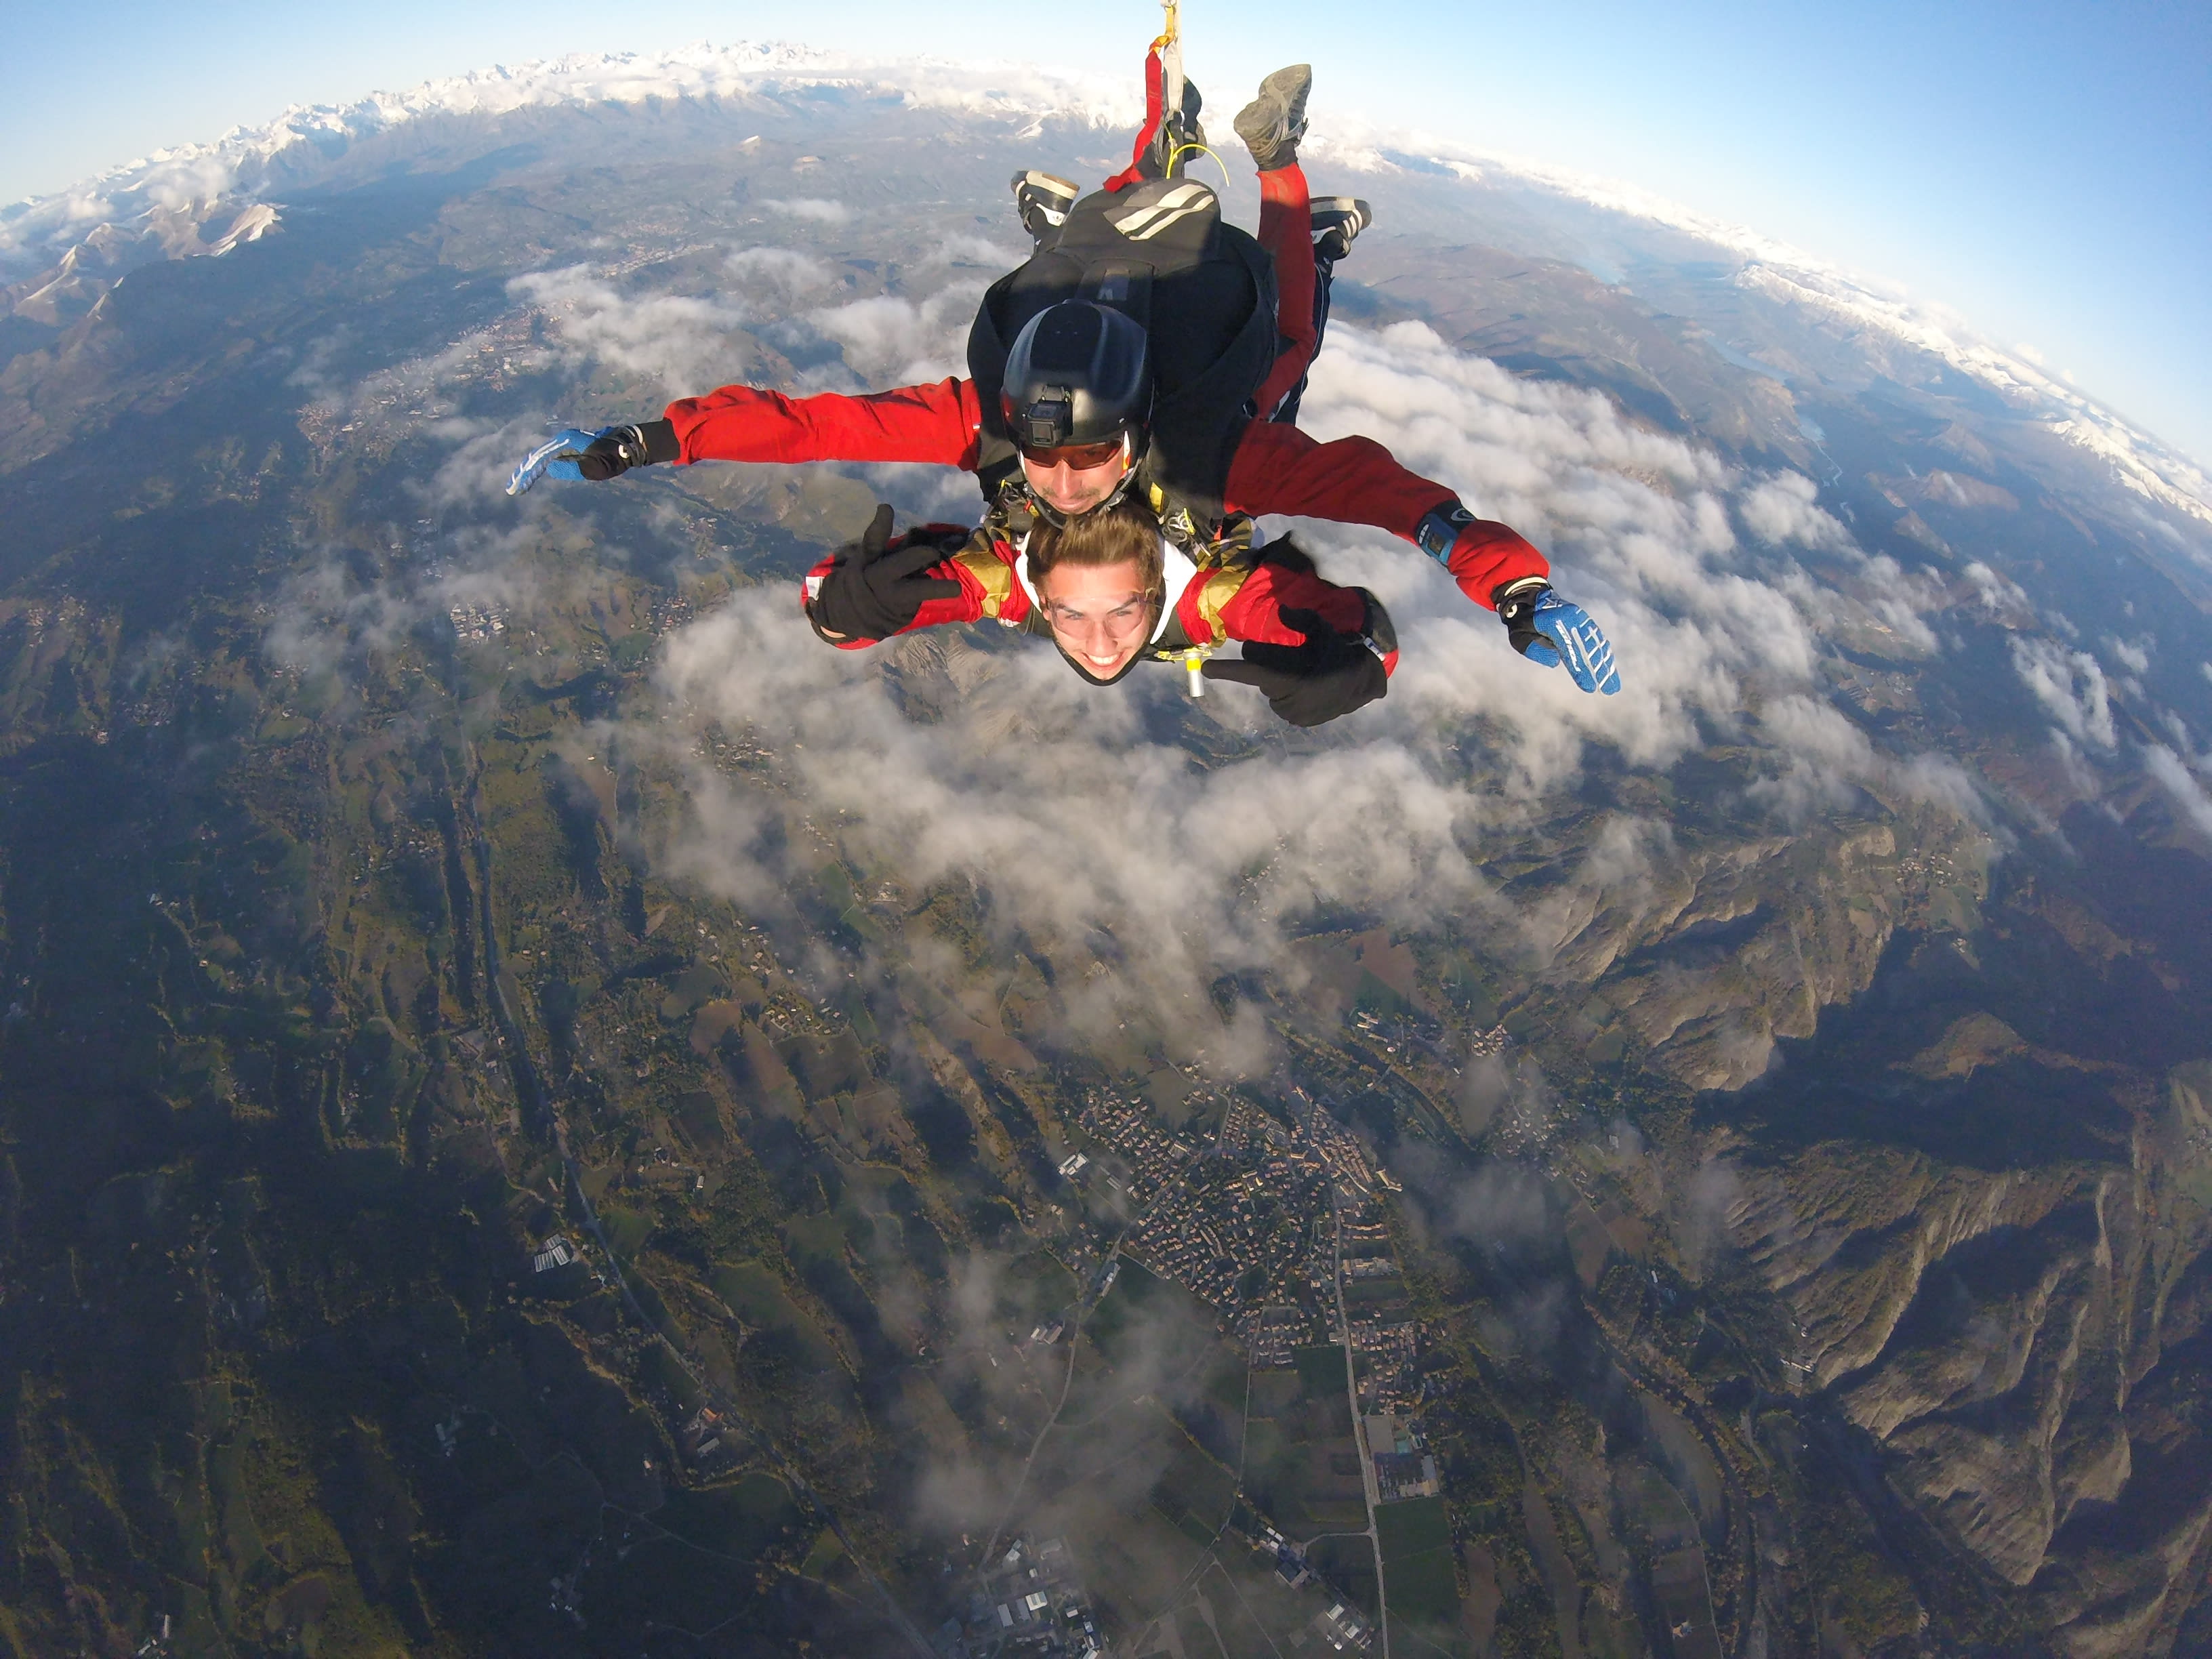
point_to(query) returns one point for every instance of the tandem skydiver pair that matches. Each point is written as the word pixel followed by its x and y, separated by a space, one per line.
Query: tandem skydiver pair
pixel 1128 413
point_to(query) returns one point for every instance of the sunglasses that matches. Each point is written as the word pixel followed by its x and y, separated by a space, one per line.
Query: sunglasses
pixel 1081 457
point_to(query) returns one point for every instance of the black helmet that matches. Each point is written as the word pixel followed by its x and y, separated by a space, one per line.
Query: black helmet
pixel 1079 373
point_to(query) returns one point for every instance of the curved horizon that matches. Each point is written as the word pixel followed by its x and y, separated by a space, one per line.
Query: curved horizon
pixel 207 172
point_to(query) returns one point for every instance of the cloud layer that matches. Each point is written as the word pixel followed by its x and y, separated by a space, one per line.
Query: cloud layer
pixel 1075 821
pixel 1176 842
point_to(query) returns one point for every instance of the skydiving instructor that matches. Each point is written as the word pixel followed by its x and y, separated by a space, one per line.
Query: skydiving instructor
pixel 1088 408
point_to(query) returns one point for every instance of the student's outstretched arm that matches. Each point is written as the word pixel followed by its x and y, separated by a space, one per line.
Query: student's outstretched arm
pixel 1280 469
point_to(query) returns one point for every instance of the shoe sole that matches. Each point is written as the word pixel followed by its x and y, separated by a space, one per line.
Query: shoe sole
pixel 1277 118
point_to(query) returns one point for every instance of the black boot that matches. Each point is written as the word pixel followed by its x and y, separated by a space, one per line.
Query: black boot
pixel 1337 221
pixel 1272 124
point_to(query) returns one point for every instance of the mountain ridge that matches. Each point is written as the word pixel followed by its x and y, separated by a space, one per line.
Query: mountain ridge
pixel 195 178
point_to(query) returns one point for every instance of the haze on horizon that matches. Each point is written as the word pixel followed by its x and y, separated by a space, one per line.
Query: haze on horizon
pixel 2045 171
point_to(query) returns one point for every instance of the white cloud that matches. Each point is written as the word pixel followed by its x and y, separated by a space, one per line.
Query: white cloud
pixel 325 614
pixel 2001 596
pixel 1638 522
pixel 1780 511
pixel 785 273
pixel 1142 844
pixel 889 340
pixel 813 208
pixel 2079 776
pixel 2069 684
pixel 1074 825
pixel 1824 757
pixel 2133 654
pixel 962 247
pixel 2163 764
pixel 683 342
pixel 1939 780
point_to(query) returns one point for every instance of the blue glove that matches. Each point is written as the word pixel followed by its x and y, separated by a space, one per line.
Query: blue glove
pixel 555 459
pixel 1545 628
pixel 595 457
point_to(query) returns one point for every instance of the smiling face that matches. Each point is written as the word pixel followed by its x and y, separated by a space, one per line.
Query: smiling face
pixel 1078 477
pixel 1101 614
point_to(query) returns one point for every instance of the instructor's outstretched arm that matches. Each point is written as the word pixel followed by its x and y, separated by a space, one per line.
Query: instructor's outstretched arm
pixel 595 457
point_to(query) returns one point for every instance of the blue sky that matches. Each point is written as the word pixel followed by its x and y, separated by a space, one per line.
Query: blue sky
pixel 2045 170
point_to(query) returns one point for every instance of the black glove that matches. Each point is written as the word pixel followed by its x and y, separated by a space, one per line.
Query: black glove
pixel 619 449
pixel 1330 674
pixel 876 587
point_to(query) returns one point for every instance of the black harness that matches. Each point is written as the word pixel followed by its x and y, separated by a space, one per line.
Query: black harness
pixel 1203 290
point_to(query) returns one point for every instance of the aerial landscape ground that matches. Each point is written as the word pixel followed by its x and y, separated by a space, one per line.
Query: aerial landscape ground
pixel 542 1111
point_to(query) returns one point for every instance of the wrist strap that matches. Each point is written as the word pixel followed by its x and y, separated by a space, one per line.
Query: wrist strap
pixel 648 443
pixel 1437 533
pixel 1509 597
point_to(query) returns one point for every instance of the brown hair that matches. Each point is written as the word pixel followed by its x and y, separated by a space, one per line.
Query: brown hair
pixel 1125 534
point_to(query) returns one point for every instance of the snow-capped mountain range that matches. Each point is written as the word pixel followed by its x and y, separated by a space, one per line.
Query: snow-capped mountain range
pixel 153 208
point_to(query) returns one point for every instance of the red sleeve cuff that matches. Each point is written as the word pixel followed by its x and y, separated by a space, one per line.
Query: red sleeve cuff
pixel 1487 556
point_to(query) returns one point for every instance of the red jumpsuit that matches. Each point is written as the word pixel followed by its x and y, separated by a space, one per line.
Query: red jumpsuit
pixel 1215 605
pixel 1276 467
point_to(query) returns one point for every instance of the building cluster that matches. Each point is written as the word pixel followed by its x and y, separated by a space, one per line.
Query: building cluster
pixel 1386 1347
pixel 1385 1336
pixel 477 622
pixel 1029 1601
pixel 1935 867
pixel 702 1439
pixel 1336 1147
pixel 1151 1158
pixel 1489 1045
pixel 1247 1130
pixel 1230 1231
pixel 1405 1036
pixel 1363 1240
pixel 1404 1465
pixel 739 750
pixel 1290 1560
pixel 1525 1126
pixel 1274 1331
pixel 1341 1628
pixel 667 614
pixel 1234 1229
